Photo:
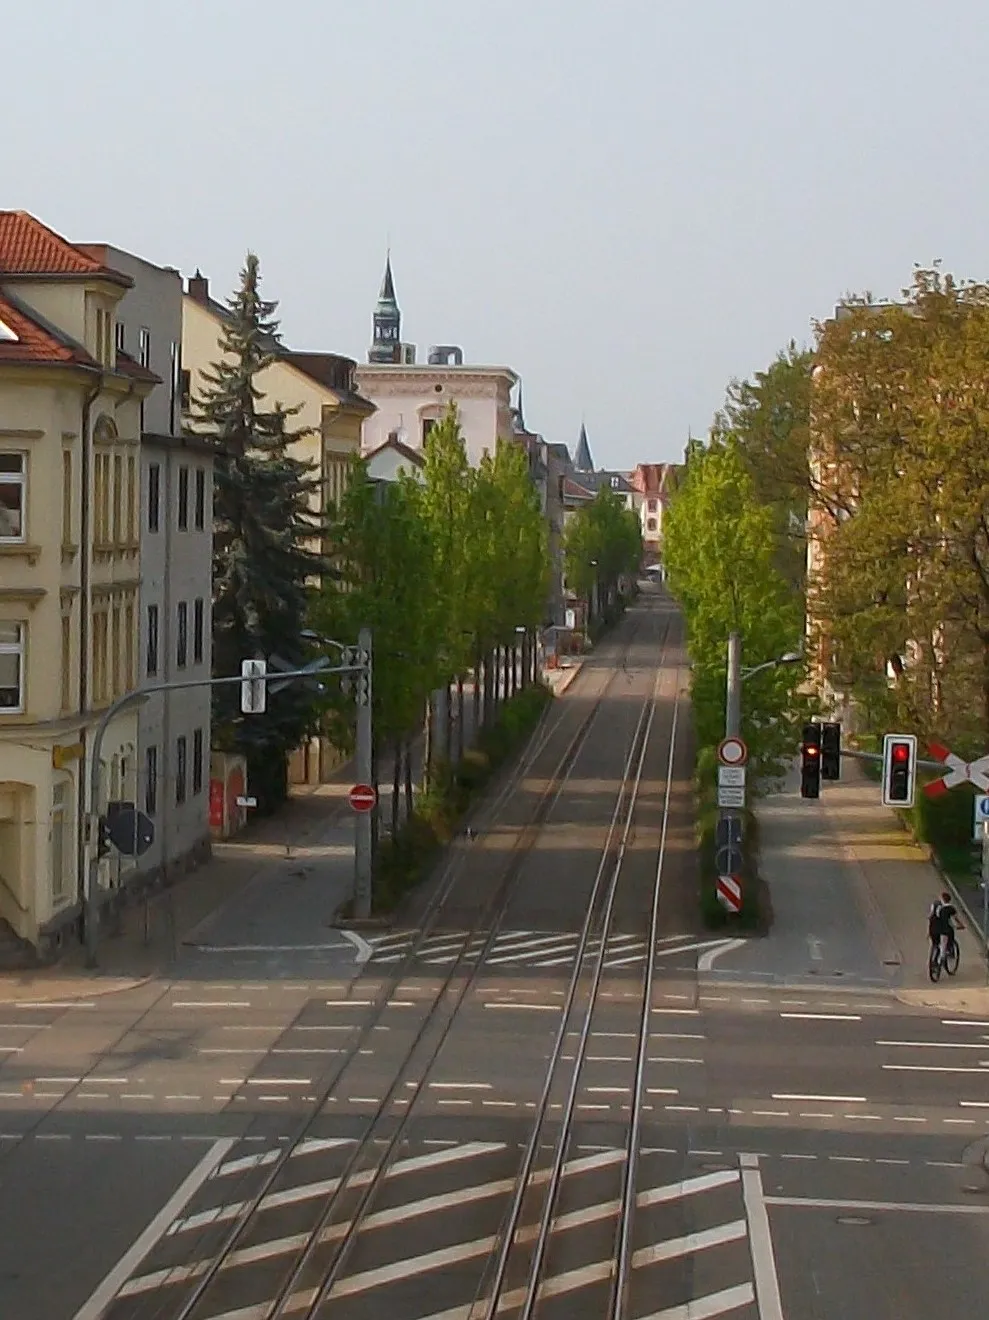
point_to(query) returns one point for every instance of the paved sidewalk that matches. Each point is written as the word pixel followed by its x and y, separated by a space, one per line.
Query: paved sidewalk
pixel 850 893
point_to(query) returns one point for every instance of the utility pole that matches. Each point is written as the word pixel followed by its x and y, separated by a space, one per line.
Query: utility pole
pixel 733 702
pixel 985 892
pixel 365 771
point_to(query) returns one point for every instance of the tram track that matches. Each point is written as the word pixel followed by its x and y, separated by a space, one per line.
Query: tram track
pixel 205 1294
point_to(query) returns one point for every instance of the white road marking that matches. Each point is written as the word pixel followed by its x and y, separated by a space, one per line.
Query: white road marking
pixel 362 949
pixel 933 1068
pixel 461 1086
pixel 349 1003
pixel 56 1003
pixel 278 1081
pixel 823 1099
pixel 760 1240
pixel 705 1182
pixel 673 1248
pixel 937 1044
pixel 962 1022
pixel 542 1008
pixel 683 1012
pixel 908 1207
pixel 706 961
pixel 974 1104
pixel 825 1017
pixel 709 1306
pixel 94 1308
pixel 209 1003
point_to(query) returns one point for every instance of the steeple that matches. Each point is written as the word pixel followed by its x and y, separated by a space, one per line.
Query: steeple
pixel 582 460
pixel 387 321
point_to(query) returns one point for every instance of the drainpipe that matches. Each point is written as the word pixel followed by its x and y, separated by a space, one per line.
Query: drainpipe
pixel 85 614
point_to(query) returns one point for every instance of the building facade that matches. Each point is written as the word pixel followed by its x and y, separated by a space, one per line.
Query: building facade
pixel 70 425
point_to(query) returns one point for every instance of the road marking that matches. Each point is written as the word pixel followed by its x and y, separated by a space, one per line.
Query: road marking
pixel 974 1104
pixel 962 1022
pixel 461 1086
pixel 908 1207
pixel 507 1003
pixel 278 1081
pixel 683 1012
pixel 55 1003
pixel 709 1306
pixel 704 1182
pixel 671 1058
pixel 823 1099
pixel 706 961
pixel 673 1248
pixel 760 1240
pixel 97 1304
pixel 209 1003
pixel 825 1017
pixel 362 949
pixel 937 1044
pixel 932 1068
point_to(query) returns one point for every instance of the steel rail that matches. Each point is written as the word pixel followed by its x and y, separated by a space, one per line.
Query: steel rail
pixel 450 877
pixel 500 905
pixel 621 1278
pixel 254 1204
pixel 488 1307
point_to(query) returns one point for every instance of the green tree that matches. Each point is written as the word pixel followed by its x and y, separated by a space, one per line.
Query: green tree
pixel 263 538
pixel 718 551
pixel 602 544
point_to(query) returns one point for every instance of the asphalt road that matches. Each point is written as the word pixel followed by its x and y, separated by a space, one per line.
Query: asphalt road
pixel 806 1152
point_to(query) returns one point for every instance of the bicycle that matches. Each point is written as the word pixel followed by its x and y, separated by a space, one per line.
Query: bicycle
pixel 947 961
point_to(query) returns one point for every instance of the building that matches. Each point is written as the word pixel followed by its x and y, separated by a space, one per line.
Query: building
pixel 176 538
pixel 653 483
pixel 70 426
pixel 392 458
pixel 411 399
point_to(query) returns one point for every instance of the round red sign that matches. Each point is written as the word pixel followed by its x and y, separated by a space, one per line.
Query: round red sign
pixel 362 797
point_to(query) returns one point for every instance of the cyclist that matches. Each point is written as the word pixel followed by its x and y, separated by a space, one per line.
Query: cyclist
pixel 941 924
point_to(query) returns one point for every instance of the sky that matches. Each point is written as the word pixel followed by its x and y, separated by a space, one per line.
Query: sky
pixel 629 202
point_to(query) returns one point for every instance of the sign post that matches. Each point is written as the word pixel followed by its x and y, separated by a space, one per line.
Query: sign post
pixel 985 891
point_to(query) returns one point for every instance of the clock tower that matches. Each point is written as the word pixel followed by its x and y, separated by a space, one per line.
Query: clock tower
pixel 387 322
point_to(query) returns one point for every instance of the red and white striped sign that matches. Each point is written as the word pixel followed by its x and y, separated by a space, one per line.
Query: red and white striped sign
pixel 957 771
pixel 730 892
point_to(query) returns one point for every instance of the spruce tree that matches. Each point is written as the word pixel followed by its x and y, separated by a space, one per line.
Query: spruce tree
pixel 265 533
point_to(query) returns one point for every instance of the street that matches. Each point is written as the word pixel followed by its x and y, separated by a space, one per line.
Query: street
pixel 439 1125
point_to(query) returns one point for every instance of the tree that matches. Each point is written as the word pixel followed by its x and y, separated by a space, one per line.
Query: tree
pixel 602 544
pixel 264 529
pixel 768 417
pixel 718 550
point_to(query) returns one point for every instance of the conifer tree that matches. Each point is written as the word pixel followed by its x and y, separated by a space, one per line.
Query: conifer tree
pixel 265 540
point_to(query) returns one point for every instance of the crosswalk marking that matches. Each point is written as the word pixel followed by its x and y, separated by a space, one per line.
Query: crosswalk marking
pixel 529 948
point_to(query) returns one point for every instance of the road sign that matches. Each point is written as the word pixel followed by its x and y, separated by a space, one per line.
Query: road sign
pixel 732 776
pixel 362 797
pixel 247 802
pixel 570 619
pixel 732 751
pixel 981 811
pixel 731 796
pixel 253 690
pixel 957 771
pixel 728 860
pixel 131 832
pixel 730 892
pixel 728 833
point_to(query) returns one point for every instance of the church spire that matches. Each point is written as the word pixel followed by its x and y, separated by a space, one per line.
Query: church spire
pixel 582 460
pixel 387 321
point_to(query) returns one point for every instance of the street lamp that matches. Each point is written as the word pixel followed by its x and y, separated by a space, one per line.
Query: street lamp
pixel 733 697
pixel 790 658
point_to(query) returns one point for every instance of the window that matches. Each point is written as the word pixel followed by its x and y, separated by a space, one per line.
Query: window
pixel 174 383
pixel 118 495
pixel 100 626
pixel 121 344
pixel 13 484
pixel 66 496
pixel 185 390
pixel 198 611
pixel 183 511
pixel 144 347
pixel 427 426
pixel 182 635
pixel 200 499
pixel 151 781
pixel 130 677
pixel 615 482
pixel 652 506
pixel 197 762
pixel 152 657
pixel 12 666
pixel 101 499
pixel 61 839
pixel 115 649
pixel 650 524
pixel 181 750
pixel 66 661
pixel 131 497
pixel 154 496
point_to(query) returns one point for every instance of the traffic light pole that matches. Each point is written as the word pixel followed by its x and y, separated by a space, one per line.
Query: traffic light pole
pixel 364 766
pixel 90 899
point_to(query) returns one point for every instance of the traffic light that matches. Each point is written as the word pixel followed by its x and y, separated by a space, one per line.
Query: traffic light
pixel 899 769
pixel 363 680
pixel 831 750
pixel 810 762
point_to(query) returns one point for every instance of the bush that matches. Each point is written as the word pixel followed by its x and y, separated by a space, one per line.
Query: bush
pixel 756 913
pixel 403 861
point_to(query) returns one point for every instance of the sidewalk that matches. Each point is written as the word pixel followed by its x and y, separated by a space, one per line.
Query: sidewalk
pixel 850 893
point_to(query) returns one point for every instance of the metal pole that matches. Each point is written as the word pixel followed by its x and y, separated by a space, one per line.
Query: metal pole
pixel 365 769
pixel 733 701
pixel 985 895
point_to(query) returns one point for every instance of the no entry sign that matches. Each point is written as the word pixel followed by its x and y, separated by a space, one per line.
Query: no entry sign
pixel 362 797
pixel 730 892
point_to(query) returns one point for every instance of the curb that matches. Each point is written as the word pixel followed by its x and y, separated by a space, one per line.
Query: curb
pixel 78 988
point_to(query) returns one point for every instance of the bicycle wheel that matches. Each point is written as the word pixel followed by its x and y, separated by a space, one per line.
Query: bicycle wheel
pixel 951 959
pixel 934 965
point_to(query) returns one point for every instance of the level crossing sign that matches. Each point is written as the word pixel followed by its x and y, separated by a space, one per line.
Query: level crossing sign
pixel 957 771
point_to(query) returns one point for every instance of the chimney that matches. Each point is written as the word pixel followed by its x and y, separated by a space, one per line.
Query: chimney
pixel 199 287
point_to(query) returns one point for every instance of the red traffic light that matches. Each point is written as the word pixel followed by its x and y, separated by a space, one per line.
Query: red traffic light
pixel 901 753
pixel 811 750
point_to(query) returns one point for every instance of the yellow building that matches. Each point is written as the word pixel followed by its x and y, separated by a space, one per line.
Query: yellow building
pixel 70 408
pixel 322 386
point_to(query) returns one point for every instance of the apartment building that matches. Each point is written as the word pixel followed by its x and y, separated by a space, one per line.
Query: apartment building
pixel 70 425
pixel 176 550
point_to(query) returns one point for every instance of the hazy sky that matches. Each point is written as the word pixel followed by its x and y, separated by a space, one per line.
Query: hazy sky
pixel 627 201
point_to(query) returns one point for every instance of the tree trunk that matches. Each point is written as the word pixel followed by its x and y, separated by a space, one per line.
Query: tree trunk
pixel 407 765
pixel 476 694
pixel 460 717
pixel 448 713
pixel 427 744
pixel 396 781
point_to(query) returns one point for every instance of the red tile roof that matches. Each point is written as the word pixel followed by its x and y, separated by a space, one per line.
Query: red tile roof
pixel 28 247
pixel 35 343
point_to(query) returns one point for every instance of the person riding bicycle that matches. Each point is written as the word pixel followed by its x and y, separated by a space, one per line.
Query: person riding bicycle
pixel 941 924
